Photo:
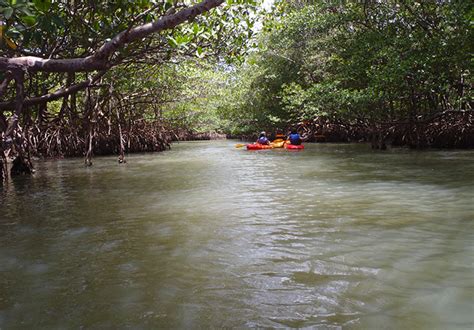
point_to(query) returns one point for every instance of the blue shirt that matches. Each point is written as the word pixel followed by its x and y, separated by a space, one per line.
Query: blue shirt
pixel 295 138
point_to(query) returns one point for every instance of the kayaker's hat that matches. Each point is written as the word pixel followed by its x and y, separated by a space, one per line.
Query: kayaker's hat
pixel 262 133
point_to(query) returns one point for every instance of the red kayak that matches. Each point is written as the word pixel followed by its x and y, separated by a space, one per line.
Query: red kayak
pixel 258 146
pixel 294 147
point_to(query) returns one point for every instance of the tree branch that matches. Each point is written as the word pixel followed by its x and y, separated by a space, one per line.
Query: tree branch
pixel 55 95
pixel 5 82
pixel 19 77
pixel 99 60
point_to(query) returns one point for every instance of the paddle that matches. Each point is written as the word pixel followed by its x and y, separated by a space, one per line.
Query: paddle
pixel 240 145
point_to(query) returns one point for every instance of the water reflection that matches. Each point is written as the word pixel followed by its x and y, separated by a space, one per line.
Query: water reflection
pixel 207 235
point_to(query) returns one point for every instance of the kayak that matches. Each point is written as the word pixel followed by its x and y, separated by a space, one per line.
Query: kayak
pixel 294 147
pixel 258 146
pixel 278 143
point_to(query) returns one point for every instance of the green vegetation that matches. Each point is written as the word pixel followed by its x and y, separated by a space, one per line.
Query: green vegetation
pixel 384 71
pixel 361 62
pixel 85 77
pixel 82 77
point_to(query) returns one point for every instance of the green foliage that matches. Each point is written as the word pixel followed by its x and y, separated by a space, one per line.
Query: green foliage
pixel 151 80
pixel 200 95
pixel 39 27
pixel 371 60
pixel 377 60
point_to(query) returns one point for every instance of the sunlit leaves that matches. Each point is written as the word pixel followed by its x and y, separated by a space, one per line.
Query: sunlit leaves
pixel 28 20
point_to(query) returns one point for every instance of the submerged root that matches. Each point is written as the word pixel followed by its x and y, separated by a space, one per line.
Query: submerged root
pixel 21 165
pixel 65 140
pixel 3 170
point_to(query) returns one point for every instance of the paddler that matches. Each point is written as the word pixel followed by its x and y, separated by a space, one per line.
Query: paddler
pixel 279 140
pixel 262 139
pixel 279 137
pixel 295 138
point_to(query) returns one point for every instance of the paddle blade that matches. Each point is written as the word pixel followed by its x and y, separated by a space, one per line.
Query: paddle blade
pixel 240 145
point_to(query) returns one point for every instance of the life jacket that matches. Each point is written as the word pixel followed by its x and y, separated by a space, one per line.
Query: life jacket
pixel 295 139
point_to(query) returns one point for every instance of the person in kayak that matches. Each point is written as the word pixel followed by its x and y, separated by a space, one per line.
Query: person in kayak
pixel 279 136
pixel 279 140
pixel 262 139
pixel 295 138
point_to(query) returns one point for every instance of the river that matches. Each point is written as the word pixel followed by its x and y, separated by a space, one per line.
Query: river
pixel 210 236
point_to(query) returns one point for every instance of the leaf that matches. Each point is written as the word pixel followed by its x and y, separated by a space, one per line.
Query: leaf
pixel 57 20
pixel 10 43
pixel 26 37
pixel 8 12
pixel 42 5
pixel 199 52
pixel 29 20
pixel 172 42
pixel 38 37
pixel 25 10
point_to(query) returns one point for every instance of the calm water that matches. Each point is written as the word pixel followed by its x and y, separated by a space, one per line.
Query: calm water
pixel 209 236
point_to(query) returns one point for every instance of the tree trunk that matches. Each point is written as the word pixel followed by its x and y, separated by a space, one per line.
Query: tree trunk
pixel 90 123
pixel 121 158
pixel 13 121
pixel 3 165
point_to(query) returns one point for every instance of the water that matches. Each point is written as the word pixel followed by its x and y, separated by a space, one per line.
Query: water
pixel 210 236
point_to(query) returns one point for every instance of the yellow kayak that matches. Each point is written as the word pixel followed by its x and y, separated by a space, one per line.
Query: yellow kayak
pixel 278 143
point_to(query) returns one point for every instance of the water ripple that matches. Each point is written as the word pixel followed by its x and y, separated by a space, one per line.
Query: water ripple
pixel 210 236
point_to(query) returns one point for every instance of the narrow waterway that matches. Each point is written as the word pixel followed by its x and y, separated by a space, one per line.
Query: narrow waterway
pixel 210 236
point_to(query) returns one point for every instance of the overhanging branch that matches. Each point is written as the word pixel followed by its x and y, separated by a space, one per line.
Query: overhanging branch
pixel 55 95
pixel 100 59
